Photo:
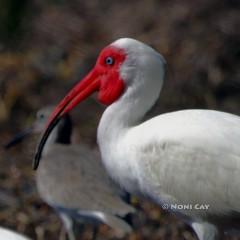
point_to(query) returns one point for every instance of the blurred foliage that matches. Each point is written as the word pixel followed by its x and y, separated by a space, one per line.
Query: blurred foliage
pixel 47 46
pixel 12 20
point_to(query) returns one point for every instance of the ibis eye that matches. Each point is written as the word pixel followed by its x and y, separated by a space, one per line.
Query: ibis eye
pixel 109 61
pixel 41 116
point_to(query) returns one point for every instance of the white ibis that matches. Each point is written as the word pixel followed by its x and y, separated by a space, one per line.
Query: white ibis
pixel 187 161
pixel 73 181
pixel 7 234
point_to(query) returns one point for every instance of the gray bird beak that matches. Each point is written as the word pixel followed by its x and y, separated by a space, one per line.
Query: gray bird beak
pixel 18 138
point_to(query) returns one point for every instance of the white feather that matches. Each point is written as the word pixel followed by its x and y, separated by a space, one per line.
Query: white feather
pixel 6 234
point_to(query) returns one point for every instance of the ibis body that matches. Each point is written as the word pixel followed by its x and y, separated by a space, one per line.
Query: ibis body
pixel 184 158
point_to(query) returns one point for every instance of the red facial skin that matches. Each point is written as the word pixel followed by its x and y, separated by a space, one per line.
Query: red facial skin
pixel 104 78
pixel 111 85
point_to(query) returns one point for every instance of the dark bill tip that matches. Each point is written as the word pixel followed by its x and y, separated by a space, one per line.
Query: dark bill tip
pixel 18 138
pixel 43 141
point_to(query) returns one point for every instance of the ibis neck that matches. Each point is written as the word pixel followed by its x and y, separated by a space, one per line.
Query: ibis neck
pixel 124 114
pixel 114 125
pixel 118 117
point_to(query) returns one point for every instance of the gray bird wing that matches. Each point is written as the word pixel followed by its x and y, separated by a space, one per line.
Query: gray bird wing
pixel 73 177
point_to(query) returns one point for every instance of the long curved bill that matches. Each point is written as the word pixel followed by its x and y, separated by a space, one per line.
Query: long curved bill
pixel 78 93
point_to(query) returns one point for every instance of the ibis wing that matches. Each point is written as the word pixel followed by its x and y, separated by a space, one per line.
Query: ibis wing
pixel 191 157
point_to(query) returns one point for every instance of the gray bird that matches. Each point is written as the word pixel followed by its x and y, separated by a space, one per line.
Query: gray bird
pixel 73 181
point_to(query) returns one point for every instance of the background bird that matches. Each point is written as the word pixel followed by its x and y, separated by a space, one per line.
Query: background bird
pixel 73 181
pixel 186 157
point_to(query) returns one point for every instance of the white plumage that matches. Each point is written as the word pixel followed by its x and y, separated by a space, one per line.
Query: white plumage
pixel 6 234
